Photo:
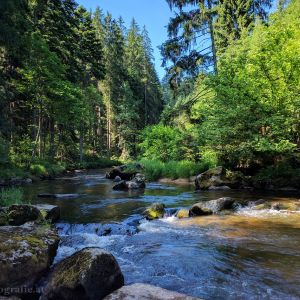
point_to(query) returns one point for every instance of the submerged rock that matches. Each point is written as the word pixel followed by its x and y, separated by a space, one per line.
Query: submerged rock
pixel 45 195
pixel 155 211
pixel 26 253
pixel 91 273
pixel 211 207
pixel 140 291
pixel 218 178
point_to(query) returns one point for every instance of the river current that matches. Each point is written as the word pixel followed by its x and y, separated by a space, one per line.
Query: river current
pixel 249 254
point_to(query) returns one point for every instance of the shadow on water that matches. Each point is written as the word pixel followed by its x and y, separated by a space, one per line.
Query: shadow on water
pixel 246 255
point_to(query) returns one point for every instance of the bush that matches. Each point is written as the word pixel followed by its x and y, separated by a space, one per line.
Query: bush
pixel 38 170
pixel 162 143
pixel 155 169
pixel 11 196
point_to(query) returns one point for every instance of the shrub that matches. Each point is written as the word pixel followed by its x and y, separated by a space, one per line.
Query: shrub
pixel 161 143
pixel 38 170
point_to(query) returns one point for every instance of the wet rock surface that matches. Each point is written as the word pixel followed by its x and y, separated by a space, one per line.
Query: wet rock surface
pixel 91 273
pixel 155 211
pixel 211 207
pixel 137 183
pixel 140 291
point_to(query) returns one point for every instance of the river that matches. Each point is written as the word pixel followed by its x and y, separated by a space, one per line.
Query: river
pixel 246 255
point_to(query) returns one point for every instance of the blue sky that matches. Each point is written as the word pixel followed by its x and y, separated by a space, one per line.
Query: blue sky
pixel 154 14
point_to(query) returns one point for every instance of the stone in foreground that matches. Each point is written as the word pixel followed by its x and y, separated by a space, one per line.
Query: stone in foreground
pixel 140 291
pixel 211 207
pixel 26 253
pixel 91 273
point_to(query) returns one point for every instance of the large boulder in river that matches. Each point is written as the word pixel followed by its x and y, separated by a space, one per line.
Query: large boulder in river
pixel 26 253
pixel 218 178
pixel 210 207
pixel 155 211
pixel 89 274
pixel 140 291
pixel 138 182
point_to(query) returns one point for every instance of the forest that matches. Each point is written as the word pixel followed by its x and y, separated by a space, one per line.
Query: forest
pixel 79 89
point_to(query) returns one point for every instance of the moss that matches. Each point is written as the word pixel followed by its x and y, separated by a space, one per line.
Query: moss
pixel 182 213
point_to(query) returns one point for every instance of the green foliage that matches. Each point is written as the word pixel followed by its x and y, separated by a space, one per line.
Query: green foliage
pixel 46 169
pixel 10 196
pixel 155 169
pixel 162 143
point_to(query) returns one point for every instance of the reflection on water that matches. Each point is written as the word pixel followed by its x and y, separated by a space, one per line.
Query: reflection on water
pixel 247 255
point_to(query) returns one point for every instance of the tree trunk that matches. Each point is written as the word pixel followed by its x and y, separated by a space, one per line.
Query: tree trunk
pixel 212 35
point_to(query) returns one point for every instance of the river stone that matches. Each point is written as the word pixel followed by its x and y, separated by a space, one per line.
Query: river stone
pixel 155 211
pixel 90 274
pixel 117 179
pixel 182 213
pixel 211 207
pixel 20 214
pixel 49 212
pixel 218 177
pixel 140 291
pixel 54 196
pixel 138 182
pixel 26 253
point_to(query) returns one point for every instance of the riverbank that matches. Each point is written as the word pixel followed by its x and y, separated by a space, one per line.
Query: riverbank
pixel 11 175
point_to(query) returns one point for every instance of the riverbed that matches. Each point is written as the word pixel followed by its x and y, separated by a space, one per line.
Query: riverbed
pixel 250 254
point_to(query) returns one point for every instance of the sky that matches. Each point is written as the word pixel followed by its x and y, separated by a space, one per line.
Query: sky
pixel 154 14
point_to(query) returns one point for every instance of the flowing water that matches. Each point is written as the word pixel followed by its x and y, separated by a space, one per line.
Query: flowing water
pixel 246 255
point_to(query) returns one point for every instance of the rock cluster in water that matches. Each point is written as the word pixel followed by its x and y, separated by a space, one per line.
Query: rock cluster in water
pixel 127 177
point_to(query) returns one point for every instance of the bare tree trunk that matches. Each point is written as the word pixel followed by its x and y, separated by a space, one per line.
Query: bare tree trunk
pixel 212 35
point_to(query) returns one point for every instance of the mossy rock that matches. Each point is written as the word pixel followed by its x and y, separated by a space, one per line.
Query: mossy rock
pixel 20 214
pixel 91 273
pixel 218 177
pixel 26 253
pixel 155 211
pixel 182 213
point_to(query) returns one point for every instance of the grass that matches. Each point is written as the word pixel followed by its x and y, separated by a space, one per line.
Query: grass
pixel 155 169
pixel 10 196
